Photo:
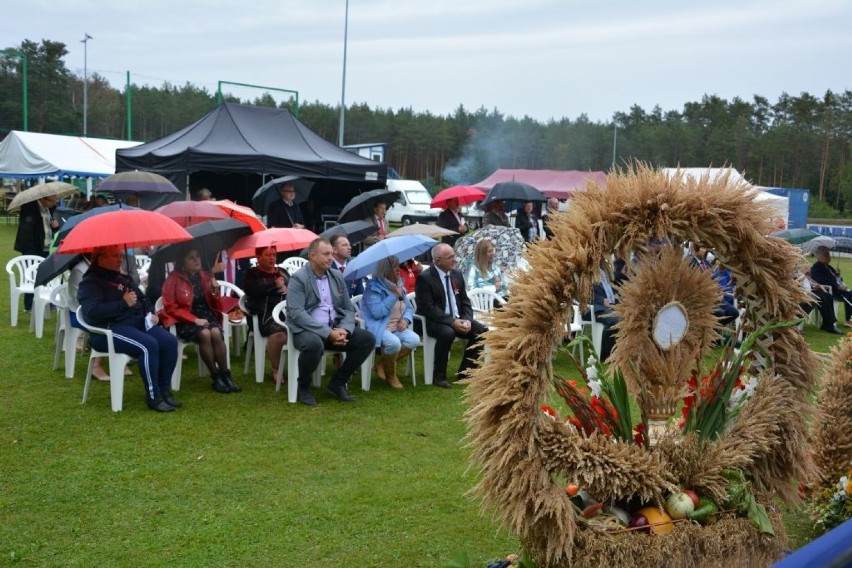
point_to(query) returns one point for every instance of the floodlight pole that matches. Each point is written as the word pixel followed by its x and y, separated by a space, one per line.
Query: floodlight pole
pixel 85 42
pixel 23 57
pixel 343 88
pixel 614 140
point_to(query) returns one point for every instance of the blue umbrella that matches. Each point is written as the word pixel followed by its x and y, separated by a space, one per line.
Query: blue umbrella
pixel 403 248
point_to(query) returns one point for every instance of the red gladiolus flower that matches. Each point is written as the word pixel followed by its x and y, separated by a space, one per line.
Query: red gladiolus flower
pixel 549 411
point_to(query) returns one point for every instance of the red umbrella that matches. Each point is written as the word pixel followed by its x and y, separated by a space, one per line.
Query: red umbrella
pixel 282 239
pixel 240 213
pixel 128 228
pixel 188 213
pixel 466 194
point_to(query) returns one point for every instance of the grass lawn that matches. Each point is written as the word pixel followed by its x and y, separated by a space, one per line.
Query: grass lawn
pixel 235 480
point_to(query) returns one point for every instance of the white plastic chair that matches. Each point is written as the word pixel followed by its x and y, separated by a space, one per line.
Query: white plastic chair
pixel 428 343
pixel 41 303
pixel 230 329
pixel 66 334
pixel 21 280
pixel 291 354
pixel 117 363
pixel 181 345
pixel 483 302
pixel 256 344
pixel 293 264
pixel 594 328
pixel 369 363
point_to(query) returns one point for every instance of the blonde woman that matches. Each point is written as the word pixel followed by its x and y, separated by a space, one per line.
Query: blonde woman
pixel 388 316
pixel 484 272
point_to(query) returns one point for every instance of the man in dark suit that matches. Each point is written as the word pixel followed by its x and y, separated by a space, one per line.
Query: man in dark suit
pixel 442 300
pixel 285 212
pixel 829 278
pixel 341 254
pixel 321 316
pixel 452 219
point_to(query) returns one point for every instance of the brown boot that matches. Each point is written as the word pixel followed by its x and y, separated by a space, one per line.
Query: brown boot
pixel 403 354
pixel 380 369
pixel 389 362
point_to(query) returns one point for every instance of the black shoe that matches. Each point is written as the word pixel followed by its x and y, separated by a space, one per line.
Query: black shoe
pixel 169 399
pixel 832 330
pixel 159 405
pixel 220 385
pixel 338 391
pixel 443 384
pixel 306 397
pixel 232 386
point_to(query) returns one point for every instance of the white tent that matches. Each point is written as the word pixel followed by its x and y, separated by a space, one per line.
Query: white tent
pixel 779 203
pixel 36 155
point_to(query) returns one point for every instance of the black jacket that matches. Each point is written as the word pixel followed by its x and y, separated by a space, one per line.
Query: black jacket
pixel 30 237
pixel 282 215
pixel 101 295
pixel 432 299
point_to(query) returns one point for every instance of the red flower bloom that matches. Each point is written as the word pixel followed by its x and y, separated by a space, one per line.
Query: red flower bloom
pixel 549 411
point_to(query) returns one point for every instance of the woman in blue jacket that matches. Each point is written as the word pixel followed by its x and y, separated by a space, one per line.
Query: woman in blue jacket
pixel 387 314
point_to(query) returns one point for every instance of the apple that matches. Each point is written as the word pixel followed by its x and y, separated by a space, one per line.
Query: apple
pixel 679 505
pixel 692 495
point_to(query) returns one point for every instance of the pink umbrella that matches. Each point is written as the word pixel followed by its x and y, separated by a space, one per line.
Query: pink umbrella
pixel 240 213
pixel 465 194
pixel 188 213
pixel 282 239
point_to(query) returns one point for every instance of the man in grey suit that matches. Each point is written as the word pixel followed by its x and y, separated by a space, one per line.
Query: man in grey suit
pixel 321 316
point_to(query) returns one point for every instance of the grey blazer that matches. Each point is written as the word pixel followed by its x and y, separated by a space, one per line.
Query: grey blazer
pixel 303 297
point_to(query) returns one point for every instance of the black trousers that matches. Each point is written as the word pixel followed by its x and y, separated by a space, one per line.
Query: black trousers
pixel 444 336
pixel 311 347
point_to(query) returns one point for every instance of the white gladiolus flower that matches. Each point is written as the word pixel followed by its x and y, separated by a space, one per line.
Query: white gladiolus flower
pixel 595 386
pixel 592 373
pixel 591 361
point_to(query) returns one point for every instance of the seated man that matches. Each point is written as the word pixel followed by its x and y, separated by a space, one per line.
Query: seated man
pixel 829 278
pixel 341 254
pixel 726 311
pixel 442 300
pixel 321 316
pixel 604 300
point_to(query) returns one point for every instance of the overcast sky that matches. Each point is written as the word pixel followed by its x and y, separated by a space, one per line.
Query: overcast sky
pixel 542 58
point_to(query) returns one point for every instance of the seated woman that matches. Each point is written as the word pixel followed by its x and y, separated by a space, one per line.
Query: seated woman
pixel 191 302
pixel 484 272
pixel 387 314
pixel 409 270
pixel 111 299
pixel 265 286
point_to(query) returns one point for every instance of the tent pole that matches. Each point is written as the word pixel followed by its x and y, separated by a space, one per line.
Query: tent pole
pixel 188 198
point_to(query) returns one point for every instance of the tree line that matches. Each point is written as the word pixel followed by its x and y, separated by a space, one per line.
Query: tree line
pixel 802 141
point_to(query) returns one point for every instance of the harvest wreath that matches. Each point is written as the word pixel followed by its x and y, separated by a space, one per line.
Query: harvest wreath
pixel 525 457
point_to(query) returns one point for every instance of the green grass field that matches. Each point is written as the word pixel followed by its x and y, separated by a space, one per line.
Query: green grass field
pixel 235 480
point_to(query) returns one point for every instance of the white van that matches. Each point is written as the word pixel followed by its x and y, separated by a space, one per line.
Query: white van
pixel 413 203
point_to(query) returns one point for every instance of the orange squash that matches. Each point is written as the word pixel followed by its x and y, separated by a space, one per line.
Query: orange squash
pixel 660 522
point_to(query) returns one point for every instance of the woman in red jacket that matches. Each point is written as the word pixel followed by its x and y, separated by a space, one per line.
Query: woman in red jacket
pixel 191 302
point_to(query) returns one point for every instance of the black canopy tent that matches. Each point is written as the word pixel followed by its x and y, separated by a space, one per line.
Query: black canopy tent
pixel 234 149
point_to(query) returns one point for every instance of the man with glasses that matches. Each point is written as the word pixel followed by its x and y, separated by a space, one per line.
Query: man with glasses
pixel 285 212
pixel 443 301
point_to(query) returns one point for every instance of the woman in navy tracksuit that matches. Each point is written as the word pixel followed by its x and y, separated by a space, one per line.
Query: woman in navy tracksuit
pixel 111 299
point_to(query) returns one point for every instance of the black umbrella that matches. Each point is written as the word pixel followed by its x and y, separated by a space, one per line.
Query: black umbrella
pixel 54 265
pixel 355 231
pixel 136 182
pixel 268 192
pixel 513 191
pixel 73 221
pixel 209 237
pixel 361 206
